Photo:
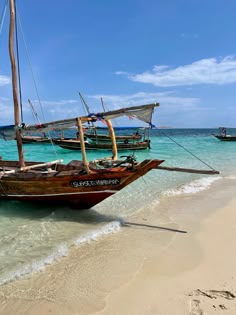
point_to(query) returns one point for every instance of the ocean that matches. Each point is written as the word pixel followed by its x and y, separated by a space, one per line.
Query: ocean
pixel 32 237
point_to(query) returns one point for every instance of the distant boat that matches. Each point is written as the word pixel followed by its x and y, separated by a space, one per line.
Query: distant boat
pixel 35 139
pixel 38 139
pixel 223 136
pixel 94 136
pixel 98 141
pixel 75 144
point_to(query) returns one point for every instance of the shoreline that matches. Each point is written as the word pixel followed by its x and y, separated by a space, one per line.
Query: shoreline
pixel 179 260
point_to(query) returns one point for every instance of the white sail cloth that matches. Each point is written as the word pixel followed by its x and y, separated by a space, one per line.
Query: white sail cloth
pixel 143 113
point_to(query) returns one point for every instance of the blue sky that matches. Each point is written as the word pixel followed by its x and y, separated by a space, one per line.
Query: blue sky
pixel 180 53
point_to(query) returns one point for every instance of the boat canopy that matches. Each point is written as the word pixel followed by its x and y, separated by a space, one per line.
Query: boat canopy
pixel 142 112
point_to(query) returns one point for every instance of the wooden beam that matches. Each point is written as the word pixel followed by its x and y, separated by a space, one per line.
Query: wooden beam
pixel 82 144
pixel 187 170
pixel 26 168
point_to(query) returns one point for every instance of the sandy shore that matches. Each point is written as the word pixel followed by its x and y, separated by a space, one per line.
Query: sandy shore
pixel 179 258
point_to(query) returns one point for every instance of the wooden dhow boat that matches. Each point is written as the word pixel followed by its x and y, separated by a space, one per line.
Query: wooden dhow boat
pixel 79 183
pixel 96 137
pixel 75 144
pixel 35 139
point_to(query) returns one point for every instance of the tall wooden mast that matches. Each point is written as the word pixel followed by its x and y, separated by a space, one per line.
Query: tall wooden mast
pixel 14 82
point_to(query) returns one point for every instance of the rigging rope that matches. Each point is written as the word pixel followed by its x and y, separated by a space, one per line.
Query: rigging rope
pixel 34 81
pixel 31 69
pixel 164 134
pixel 18 64
pixel 3 15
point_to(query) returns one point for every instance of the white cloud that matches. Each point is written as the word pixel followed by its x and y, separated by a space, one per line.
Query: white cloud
pixel 54 110
pixel 189 36
pixel 165 99
pixel 205 71
pixel 4 80
pixel 6 110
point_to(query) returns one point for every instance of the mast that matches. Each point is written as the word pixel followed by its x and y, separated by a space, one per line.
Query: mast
pixel 113 139
pixel 14 83
pixel 82 144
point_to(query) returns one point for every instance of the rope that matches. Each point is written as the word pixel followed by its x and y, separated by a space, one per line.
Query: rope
pixel 18 64
pixel 3 15
pixel 31 69
pixel 187 150
pixel 34 81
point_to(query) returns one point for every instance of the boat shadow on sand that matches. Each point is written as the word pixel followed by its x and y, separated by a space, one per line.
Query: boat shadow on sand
pixel 16 209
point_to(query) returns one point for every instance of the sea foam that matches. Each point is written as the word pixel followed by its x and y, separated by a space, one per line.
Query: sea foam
pixel 61 251
pixel 192 187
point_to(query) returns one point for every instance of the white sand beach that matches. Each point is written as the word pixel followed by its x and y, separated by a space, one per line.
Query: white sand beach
pixel 180 260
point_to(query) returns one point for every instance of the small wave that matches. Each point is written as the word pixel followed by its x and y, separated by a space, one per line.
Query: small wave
pixel 109 228
pixel 233 177
pixel 61 251
pixel 192 187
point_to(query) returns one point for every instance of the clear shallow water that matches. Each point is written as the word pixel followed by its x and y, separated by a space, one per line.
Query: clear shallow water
pixel 33 236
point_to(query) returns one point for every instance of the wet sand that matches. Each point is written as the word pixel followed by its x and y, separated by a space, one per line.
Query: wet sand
pixel 177 258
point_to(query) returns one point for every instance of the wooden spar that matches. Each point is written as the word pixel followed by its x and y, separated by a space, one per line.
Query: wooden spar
pixel 133 108
pixel 113 139
pixel 85 104
pixel 187 170
pixel 26 168
pixel 103 107
pixel 14 83
pixel 49 164
pixel 82 144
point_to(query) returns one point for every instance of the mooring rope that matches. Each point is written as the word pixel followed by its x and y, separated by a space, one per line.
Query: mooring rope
pixel 180 145
pixel 3 15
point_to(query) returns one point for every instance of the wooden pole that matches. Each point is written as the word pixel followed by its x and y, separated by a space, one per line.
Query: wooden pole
pixel 14 83
pixel 82 144
pixel 187 170
pixel 113 139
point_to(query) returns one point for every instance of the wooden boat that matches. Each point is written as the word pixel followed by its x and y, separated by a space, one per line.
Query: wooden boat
pixel 99 138
pixel 74 144
pixel 38 139
pixel 80 183
pixel 35 139
pixel 100 141
pixel 223 136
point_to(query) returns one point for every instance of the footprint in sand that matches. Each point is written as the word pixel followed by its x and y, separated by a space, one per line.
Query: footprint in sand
pixel 213 294
pixel 195 308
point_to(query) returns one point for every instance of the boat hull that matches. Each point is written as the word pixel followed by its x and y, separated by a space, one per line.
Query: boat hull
pixel 75 145
pixel 71 187
pixel 106 138
pixel 225 138
pixel 35 139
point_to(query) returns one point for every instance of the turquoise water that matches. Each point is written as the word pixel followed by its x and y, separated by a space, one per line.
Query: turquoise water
pixel 32 237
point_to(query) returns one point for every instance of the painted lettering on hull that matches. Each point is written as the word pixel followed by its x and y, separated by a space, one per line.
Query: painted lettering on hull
pixel 96 182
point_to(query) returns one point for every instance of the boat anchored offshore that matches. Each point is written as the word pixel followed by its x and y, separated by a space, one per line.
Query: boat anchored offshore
pixel 223 136
pixel 98 141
